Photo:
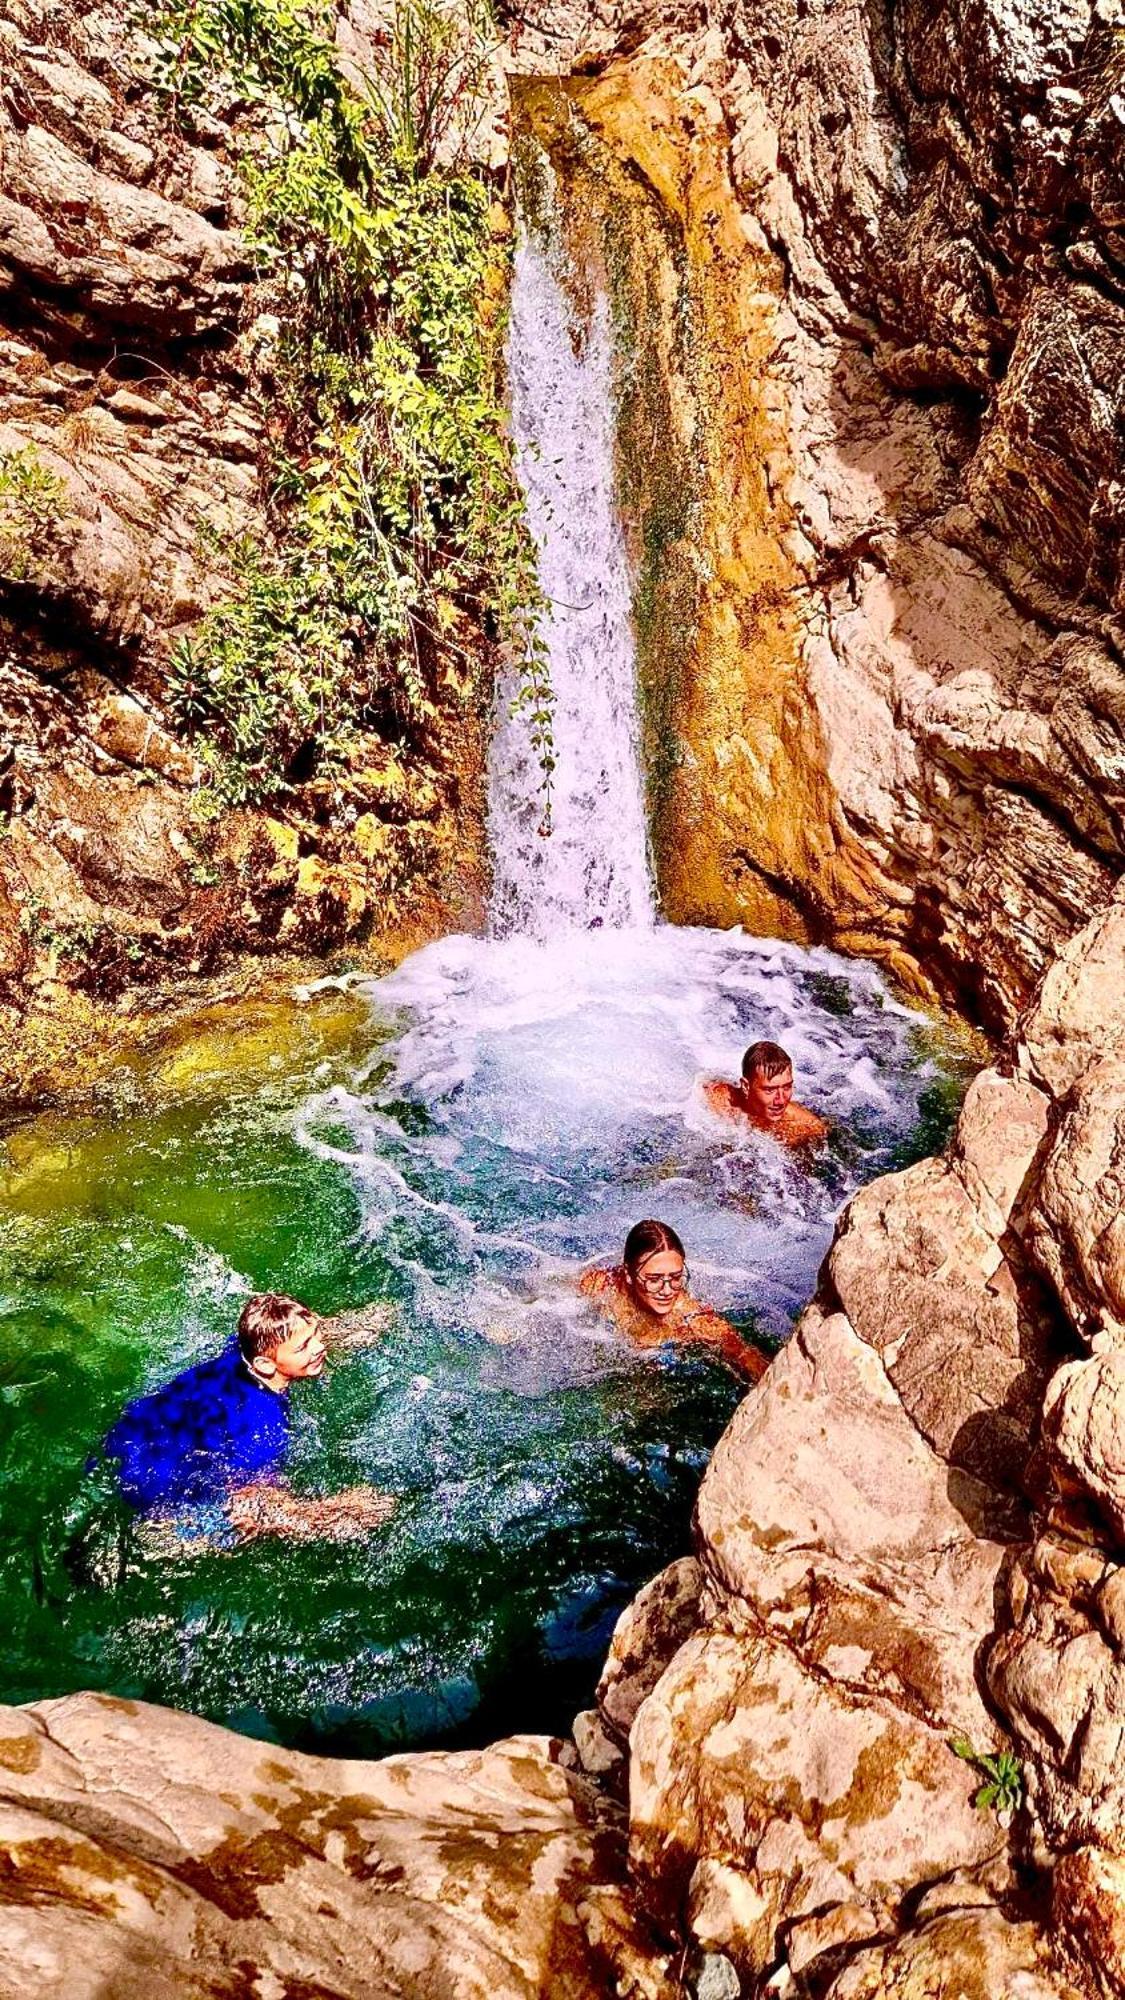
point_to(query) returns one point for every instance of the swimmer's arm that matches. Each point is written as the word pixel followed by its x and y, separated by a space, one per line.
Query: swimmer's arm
pixel 596 1283
pixel 361 1327
pixel 264 1508
pixel 807 1129
pixel 718 1332
pixel 720 1097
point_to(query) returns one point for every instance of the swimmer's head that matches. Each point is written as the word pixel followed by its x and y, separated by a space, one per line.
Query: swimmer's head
pixel 280 1339
pixel 767 1081
pixel 655 1266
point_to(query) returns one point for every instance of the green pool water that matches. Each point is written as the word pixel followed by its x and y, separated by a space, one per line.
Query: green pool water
pixel 119 1243
pixel 540 1477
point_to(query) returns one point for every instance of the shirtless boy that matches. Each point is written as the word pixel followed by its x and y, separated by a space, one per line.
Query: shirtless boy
pixel 764 1097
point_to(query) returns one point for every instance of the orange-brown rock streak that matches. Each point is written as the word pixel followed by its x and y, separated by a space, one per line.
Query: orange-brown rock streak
pixel 745 825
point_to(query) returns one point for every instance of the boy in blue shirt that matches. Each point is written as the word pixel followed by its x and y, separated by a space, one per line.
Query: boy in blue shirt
pixel 219 1433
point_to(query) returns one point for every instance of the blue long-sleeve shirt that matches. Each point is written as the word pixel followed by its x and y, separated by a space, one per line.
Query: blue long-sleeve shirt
pixel 211 1429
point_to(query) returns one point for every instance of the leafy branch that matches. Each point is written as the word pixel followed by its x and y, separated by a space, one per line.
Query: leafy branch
pixel 398 532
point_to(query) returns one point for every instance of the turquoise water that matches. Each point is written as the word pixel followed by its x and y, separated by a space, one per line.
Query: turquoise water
pixel 486 1120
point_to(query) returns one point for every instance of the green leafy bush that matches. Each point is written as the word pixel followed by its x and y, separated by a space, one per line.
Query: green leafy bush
pixel 399 534
pixel 32 510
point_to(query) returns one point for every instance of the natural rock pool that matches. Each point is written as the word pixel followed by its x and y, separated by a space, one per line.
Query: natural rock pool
pixel 504 1113
pixel 453 1142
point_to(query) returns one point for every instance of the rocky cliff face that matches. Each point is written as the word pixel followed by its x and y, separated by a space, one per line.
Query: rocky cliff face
pixel 146 1853
pixel 886 306
pixel 911 1538
pixel 914 1531
pixel 907 737
pixel 137 348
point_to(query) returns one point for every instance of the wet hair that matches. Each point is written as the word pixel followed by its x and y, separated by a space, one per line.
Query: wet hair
pixel 765 1059
pixel 264 1323
pixel 646 1238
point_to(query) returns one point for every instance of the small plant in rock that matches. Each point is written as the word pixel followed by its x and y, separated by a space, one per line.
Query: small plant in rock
pixel 32 510
pixel 1002 1790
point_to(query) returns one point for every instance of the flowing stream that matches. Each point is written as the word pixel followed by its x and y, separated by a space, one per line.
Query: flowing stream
pixel 474 1127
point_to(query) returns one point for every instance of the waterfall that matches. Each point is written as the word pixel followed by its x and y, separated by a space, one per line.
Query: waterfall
pixel 592 869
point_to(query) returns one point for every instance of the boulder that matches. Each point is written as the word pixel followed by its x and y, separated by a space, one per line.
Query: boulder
pixel 149 1853
pixel 964 1955
pixel 1058 1679
pixel 922 1264
pixel 1079 1012
pixel 826 1516
pixel 648 1633
pixel 793 1761
pixel 761 1793
pixel 1084 1428
pixel 1089 1914
pixel 1078 1225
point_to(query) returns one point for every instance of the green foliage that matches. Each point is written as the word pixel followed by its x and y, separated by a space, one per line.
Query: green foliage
pixel 398 527
pixel 32 509
pixel 1002 1791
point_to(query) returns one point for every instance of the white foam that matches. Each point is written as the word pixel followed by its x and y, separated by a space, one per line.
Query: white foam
pixel 561 1086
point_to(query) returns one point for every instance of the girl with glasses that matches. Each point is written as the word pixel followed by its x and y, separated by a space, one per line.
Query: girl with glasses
pixel 646 1295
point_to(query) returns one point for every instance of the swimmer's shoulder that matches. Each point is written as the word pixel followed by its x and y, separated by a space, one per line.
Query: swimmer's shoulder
pixel 600 1282
pixel 803 1127
pixel 720 1096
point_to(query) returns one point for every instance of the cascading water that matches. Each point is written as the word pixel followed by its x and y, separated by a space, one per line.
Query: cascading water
pixel 593 869
pixel 529 1095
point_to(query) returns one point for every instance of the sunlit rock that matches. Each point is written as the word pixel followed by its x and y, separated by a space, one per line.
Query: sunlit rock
pixel 1078 1226
pixel 920 1265
pixel 148 1852
pixel 973 1954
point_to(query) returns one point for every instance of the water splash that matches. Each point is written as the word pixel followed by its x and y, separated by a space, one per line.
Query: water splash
pixel 537 1098
pixel 592 871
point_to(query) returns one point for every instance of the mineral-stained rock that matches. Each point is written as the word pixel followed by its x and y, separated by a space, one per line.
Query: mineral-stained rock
pixel 827 1514
pixel 760 1793
pixel 1078 1225
pixel 1089 1912
pixel 965 1955
pixel 794 1756
pixel 933 250
pixel 648 1633
pixel 919 1267
pixel 147 1853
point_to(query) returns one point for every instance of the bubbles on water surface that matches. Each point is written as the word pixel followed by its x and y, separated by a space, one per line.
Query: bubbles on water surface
pixel 559 1087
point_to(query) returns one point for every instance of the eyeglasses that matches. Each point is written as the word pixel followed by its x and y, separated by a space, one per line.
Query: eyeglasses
pixel 666 1281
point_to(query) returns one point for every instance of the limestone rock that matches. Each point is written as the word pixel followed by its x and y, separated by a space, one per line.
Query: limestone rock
pixel 826 1514
pixel 760 1794
pixel 1078 1225
pixel 1079 1011
pixel 791 1768
pixel 1084 1425
pixel 1060 1685
pixel 648 1633
pixel 1089 1911
pixel 908 393
pixel 151 1852
pixel 921 1264
pixel 966 1955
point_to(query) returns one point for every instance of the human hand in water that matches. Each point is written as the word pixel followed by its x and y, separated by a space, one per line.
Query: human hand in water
pixel 363 1326
pixel 261 1509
